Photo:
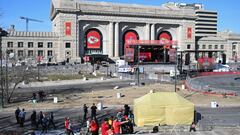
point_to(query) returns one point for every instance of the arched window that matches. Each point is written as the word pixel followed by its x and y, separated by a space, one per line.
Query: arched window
pixel 93 39
pixel 165 35
pixel 129 35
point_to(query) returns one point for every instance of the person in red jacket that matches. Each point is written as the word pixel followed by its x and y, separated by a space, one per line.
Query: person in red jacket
pixel 105 127
pixel 94 127
pixel 117 126
pixel 68 126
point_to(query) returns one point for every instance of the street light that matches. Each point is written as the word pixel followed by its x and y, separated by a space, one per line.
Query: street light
pixel 2 34
pixel 175 68
pixel 138 61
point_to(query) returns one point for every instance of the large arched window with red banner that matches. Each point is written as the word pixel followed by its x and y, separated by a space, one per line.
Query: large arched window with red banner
pixel 129 35
pixel 93 38
pixel 166 36
pixel 169 55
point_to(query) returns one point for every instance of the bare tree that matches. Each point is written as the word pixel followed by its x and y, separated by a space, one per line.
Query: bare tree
pixel 17 75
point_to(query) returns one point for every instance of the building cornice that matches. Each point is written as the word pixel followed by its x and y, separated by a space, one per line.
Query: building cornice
pixel 105 8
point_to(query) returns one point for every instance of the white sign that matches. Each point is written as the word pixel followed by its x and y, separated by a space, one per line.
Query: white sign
pixel 172 73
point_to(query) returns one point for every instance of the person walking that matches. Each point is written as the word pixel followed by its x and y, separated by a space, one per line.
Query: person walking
pixel 40 117
pixel 44 124
pixel 68 126
pixel 93 111
pixel 85 112
pixel 193 127
pixel 34 119
pixel 16 114
pixel 21 116
pixel 51 120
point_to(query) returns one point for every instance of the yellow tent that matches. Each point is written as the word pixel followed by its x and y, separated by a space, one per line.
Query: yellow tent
pixel 163 108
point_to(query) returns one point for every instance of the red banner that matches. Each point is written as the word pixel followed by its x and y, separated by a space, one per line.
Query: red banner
pixel 129 54
pixel 68 28
pixel 93 40
pixel 205 62
pixel 189 33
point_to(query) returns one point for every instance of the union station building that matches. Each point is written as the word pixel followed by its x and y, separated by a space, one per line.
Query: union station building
pixel 83 29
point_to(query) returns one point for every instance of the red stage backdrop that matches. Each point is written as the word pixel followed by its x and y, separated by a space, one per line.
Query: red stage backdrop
pixel 68 28
pixel 93 40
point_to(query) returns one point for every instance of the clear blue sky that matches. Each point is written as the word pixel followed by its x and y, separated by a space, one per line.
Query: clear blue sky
pixel 11 10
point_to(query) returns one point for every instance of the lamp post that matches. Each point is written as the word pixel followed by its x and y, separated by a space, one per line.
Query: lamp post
pixel 2 33
pixel 175 68
pixel 6 68
pixel 138 60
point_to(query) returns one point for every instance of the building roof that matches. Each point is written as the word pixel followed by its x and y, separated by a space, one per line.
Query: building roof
pixel 32 34
pixel 229 35
pixel 212 38
pixel 119 9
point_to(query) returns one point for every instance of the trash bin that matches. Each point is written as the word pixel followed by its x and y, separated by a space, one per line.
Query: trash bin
pixel 214 104
pixel 55 100
pixel 119 95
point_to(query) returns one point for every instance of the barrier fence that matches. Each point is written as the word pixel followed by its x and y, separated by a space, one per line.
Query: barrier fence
pixel 197 86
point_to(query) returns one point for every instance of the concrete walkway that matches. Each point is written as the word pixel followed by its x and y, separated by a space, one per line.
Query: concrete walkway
pixel 68 82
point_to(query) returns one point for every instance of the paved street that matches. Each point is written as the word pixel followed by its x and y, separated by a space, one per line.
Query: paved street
pixel 209 118
pixel 209 125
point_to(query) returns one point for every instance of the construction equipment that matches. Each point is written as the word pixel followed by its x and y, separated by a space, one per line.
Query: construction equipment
pixel 29 19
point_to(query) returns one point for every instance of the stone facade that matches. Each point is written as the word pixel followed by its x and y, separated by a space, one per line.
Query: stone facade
pixel 73 19
pixel 226 42
pixel 114 20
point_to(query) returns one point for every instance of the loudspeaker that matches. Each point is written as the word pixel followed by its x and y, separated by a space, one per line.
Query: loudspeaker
pixel 187 59
pixel 223 58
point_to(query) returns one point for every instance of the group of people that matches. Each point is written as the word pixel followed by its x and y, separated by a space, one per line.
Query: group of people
pixel 41 96
pixel 45 120
pixel 122 123
pixel 20 116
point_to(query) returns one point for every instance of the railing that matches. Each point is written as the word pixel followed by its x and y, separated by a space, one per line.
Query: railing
pixel 201 87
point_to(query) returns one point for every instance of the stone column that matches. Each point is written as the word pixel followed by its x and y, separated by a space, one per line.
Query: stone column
pixel 153 32
pixel 116 32
pixel 180 35
pixel 110 44
pixel 147 31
